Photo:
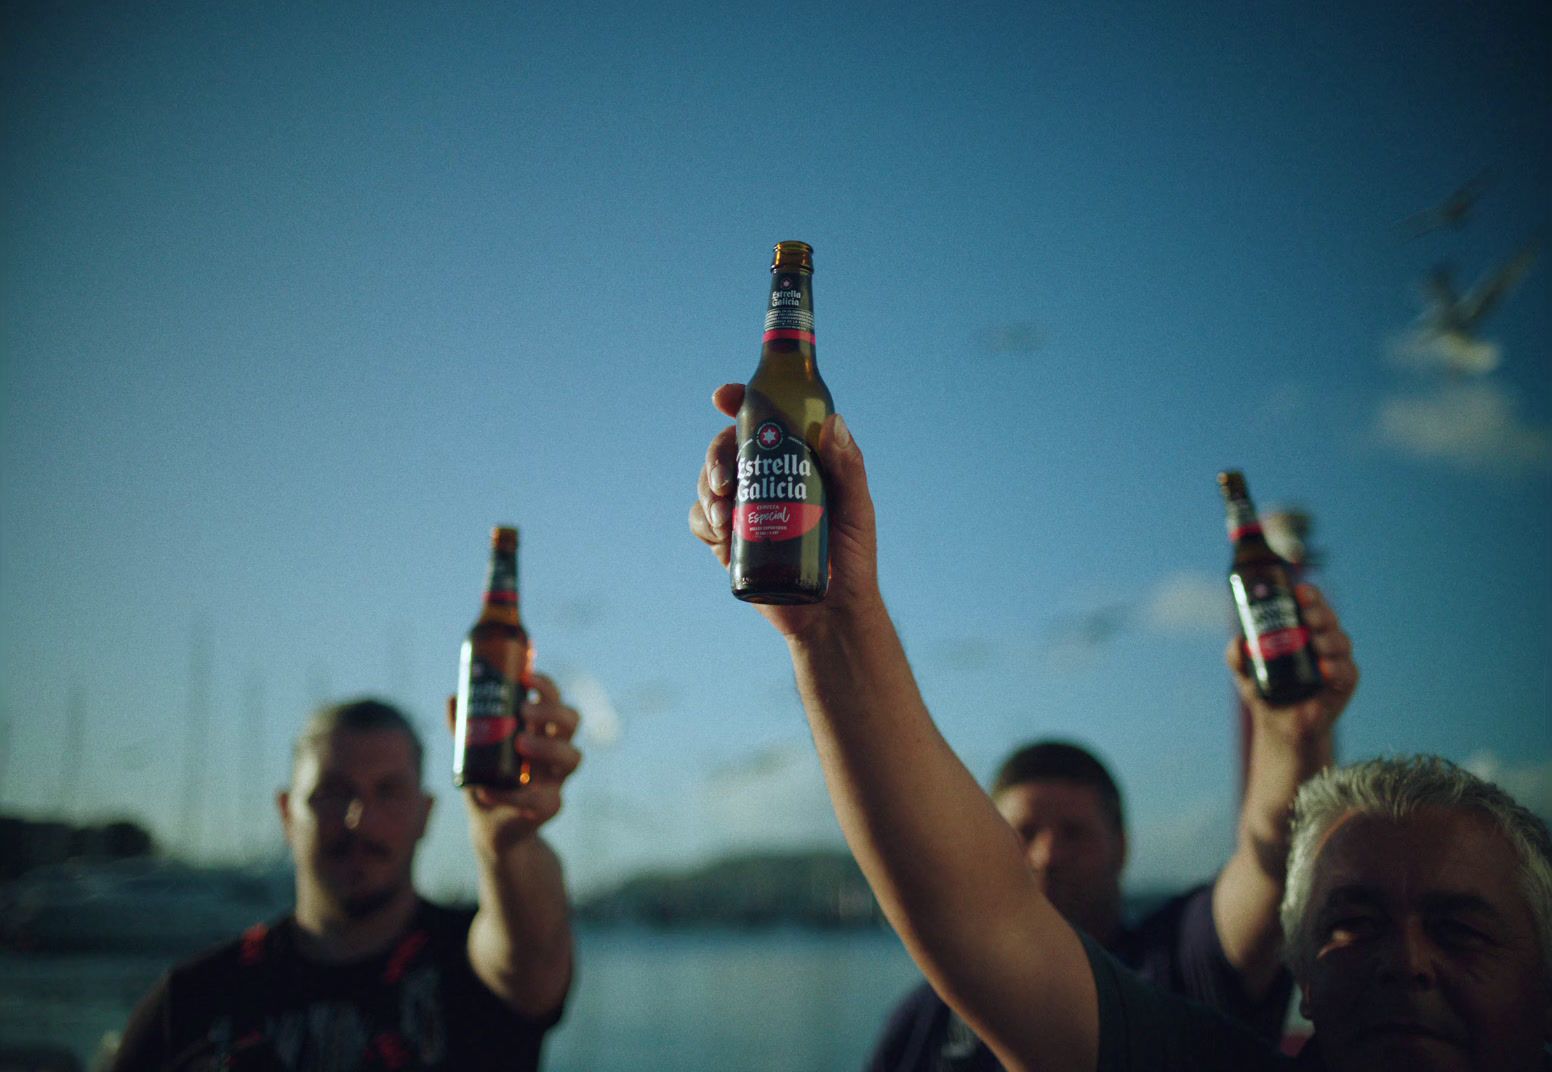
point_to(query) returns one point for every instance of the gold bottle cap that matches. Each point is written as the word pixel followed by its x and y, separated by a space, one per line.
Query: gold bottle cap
pixel 1232 483
pixel 793 256
pixel 504 537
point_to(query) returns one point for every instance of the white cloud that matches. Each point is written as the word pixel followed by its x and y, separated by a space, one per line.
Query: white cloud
pixel 1529 783
pixel 1189 603
pixel 1426 350
pixel 601 723
pixel 1470 425
pixel 775 798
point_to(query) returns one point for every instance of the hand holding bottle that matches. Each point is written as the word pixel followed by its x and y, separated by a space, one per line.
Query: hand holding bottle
pixel 1332 647
pixel 853 540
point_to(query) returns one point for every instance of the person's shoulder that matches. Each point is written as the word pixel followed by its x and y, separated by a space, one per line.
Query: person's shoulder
pixel 254 946
pixel 921 998
pixel 1168 913
pixel 1145 1027
pixel 444 921
pixel 908 1032
pixel 1149 943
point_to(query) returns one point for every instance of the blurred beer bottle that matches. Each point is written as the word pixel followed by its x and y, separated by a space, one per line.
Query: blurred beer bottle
pixel 781 532
pixel 1282 658
pixel 493 676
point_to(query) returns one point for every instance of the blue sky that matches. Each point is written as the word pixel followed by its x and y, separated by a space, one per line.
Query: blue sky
pixel 296 302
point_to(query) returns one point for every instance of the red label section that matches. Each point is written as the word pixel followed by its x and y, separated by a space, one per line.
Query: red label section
pixel 1282 642
pixel 789 333
pixel 487 731
pixel 759 521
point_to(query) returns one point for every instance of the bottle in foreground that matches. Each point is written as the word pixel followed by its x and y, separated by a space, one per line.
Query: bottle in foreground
pixel 494 673
pixel 781 531
pixel 1282 657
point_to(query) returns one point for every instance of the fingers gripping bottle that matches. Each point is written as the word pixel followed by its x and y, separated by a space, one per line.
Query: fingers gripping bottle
pixel 781 530
pixel 494 672
pixel 1282 657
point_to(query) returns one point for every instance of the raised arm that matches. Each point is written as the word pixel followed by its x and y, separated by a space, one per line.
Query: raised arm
pixel 520 942
pixel 1288 745
pixel 945 866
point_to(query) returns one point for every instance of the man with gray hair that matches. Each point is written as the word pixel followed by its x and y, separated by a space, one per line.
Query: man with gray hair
pixel 1419 901
pixel 365 974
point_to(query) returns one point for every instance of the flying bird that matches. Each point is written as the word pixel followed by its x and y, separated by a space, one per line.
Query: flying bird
pixel 1451 213
pixel 1093 628
pixel 1449 328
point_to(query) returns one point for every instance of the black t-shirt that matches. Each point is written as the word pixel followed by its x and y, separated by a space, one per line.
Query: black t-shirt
pixel 1145 1029
pixel 258 1004
pixel 1175 947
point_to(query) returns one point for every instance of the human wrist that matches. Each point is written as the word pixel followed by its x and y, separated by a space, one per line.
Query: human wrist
pixel 838 623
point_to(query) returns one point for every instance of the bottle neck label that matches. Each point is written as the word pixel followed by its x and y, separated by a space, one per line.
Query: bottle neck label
pixel 780 490
pixel 501 587
pixel 790 314
pixel 1241 519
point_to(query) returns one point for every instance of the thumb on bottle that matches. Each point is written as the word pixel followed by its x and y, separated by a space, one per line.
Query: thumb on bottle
pixel 837 450
pixel 845 478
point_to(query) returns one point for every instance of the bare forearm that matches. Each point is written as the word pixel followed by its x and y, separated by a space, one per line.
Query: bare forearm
pixel 520 942
pixel 1250 889
pixel 945 866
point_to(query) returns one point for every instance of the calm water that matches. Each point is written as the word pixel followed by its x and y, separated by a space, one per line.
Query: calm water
pixel 644 1001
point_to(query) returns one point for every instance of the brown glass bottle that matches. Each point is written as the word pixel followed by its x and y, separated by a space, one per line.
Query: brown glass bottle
pixel 781 530
pixel 494 672
pixel 1282 657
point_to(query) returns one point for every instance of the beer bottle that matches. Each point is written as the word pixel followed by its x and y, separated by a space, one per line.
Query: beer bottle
pixel 1282 657
pixel 495 669
pixel 781 533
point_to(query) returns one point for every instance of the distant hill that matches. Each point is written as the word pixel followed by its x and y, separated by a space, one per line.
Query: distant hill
pixel 819 888
pixel 29 843
pixel 816 888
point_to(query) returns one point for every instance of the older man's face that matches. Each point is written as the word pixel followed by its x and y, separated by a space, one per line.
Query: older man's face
pixel 1428 958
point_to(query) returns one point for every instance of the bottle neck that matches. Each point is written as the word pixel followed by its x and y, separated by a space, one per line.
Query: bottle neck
pixel 789 316
pixel 1240 517
pixel 501 585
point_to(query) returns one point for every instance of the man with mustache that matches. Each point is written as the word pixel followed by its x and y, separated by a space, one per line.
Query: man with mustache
pixel 365 974
pixel 1418 902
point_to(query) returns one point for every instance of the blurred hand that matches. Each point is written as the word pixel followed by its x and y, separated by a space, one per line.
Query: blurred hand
pixel 853 539
pixel 1334 650
pixel 500 818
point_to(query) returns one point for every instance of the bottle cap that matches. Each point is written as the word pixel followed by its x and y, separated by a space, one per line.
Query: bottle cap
pixel 1232 483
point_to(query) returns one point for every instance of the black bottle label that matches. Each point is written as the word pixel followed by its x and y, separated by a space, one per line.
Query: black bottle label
pixel 780 491
pixel 1270 617
pixel 791 312
pixel 489 705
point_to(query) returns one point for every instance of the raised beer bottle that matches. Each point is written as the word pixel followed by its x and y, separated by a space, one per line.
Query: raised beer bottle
pixel 1282 657
pixel 781 532
pixel 494 672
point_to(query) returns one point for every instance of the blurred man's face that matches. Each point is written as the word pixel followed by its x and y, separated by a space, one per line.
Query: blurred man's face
pixel 1428 958
pixel 353 816
pixel 1073 848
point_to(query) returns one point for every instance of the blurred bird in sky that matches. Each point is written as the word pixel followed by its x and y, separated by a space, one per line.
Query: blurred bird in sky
pixel 1447 333
pixel 1451 213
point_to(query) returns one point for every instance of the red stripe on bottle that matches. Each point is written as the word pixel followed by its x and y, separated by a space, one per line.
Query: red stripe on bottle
pixel 502 598
pixel 1282 642
pixel 1245 530
pixel 490 730
pixel 790 333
